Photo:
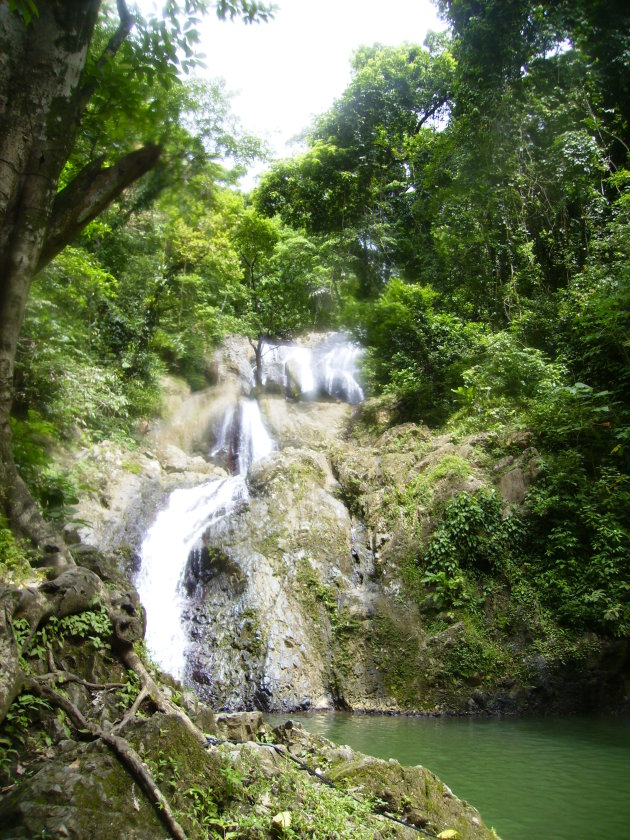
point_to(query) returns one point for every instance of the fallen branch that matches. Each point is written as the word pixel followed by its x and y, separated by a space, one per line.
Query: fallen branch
pixel 128 757
pixel 134 663
pixel 131 713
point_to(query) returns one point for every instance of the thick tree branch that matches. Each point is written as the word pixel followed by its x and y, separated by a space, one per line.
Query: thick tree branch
pixel 93 189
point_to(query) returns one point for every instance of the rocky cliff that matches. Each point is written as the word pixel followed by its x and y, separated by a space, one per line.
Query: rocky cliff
pixel 310 595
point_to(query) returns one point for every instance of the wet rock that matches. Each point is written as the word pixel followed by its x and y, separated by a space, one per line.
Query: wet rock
pixel 85 791
pixel 514 486
pixel 307 424
pixel 233 360
pixel 293 379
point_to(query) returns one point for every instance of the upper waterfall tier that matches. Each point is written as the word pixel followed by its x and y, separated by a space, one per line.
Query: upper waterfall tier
pixel 327 368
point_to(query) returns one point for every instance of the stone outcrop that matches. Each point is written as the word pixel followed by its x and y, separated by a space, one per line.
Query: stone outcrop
pixel 310 595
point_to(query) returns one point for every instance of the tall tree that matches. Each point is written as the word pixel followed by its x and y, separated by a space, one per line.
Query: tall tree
pixel 47 79
pixel 282 271
pixel 358 173
pixel 497 41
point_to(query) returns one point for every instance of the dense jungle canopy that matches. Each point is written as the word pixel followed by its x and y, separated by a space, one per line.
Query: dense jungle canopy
pixel 463 208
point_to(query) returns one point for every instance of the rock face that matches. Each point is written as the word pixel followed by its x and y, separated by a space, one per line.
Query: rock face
pixel 259 624
pixel 309 595
pixel 66 770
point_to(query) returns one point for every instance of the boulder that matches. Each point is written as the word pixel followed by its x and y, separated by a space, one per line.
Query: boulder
pixel 239 726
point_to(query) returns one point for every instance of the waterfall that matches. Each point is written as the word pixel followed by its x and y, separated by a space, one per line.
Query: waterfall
pixel 164 554
pixel 254 441
pixel 179 527
pixel 330 368
pixel 338 371
pixel 282 361
pixel 224 439
pixel 243 438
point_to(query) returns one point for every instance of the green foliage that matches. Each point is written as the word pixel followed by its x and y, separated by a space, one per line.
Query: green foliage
pixel 315 810
pixel 92 627
pixel 472 537
pixel 54 489
pixel 416 352
pixel 14 730
pixel 202 809
pixel 578 543
pixel 26 8
pixel 14 564
pixel 357 176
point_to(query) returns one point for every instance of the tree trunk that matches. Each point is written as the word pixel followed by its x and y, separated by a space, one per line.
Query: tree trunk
pixel 42 96
pixel 41 69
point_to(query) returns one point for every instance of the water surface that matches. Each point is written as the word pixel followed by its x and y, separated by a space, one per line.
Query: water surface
pixel 557 779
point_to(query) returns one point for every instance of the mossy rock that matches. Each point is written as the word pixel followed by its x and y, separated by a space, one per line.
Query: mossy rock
pixel 82 792
pixel 410 790
pixel 411 795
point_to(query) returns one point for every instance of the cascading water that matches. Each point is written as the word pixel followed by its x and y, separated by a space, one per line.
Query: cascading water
pixel 338 370
pixel 164 554
pixel 254 440
pixel 178 529
pixel 279 359
pixel 329 368
pixel 242 439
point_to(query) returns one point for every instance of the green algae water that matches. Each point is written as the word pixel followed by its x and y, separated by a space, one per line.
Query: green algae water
pixel 549 779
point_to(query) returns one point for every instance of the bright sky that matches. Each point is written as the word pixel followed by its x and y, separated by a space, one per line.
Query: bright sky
pixel 284 72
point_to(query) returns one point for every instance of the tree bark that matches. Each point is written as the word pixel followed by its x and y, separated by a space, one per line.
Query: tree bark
pixel 41 69
pixel 42 96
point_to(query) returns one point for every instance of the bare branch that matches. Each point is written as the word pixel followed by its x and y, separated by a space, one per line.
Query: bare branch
pixel 124 28
pixel 431 112
pixel 126 754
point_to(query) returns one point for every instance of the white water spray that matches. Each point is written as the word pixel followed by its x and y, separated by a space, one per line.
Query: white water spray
pixel 338 370
pixel 328 368
pixel 254 439
pixel 178 529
